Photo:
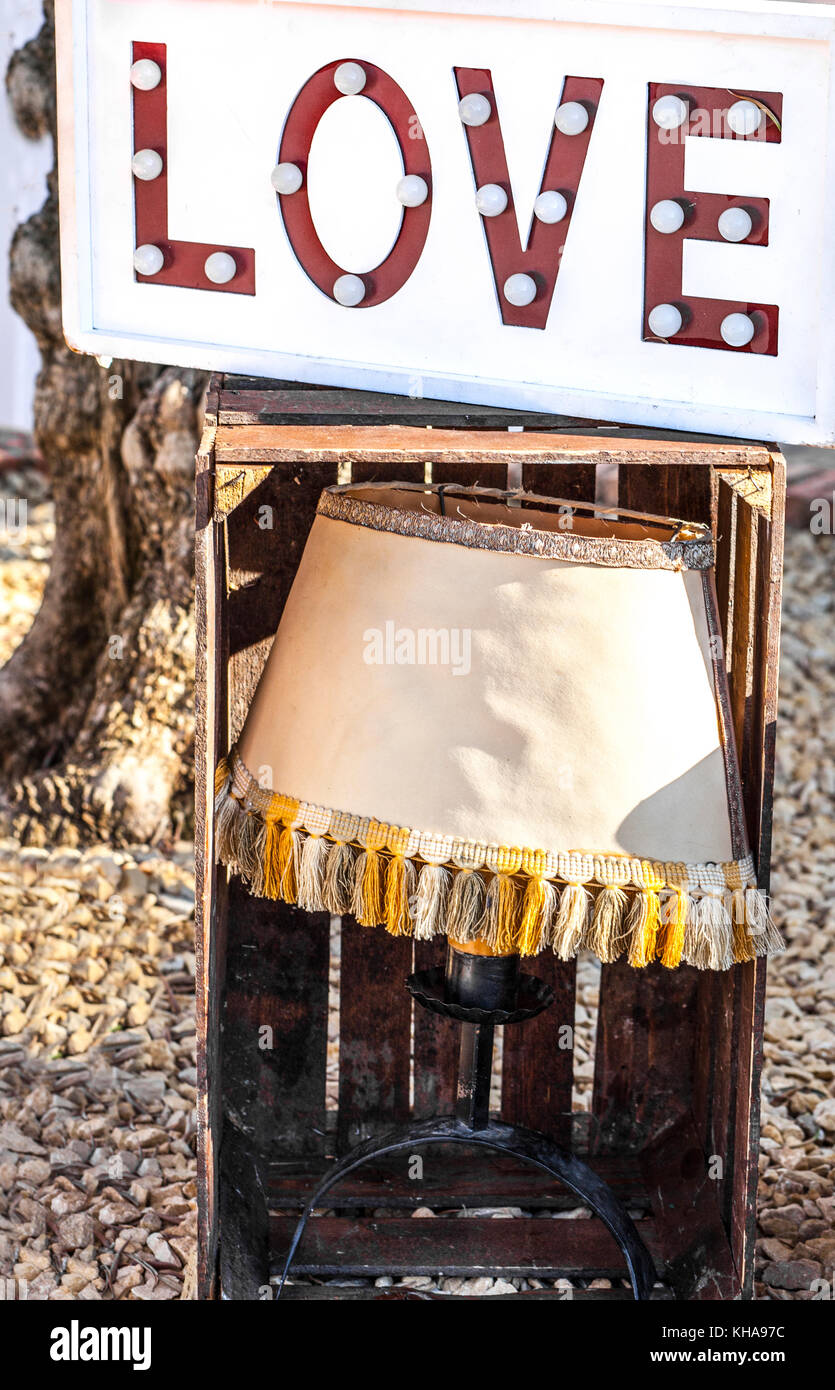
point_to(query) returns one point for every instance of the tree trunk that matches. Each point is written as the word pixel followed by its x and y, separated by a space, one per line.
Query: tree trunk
pixel 96 719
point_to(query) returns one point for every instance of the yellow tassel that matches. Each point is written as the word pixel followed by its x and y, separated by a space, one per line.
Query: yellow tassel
pixel 367 901
pixel 643 921
pixel 606 936
pixel 538 907
pixel 400 888
pixel 743 946
pixel 271 858
pixel 671 935
pixel 221 776
pixel 286 865
pixel 500 925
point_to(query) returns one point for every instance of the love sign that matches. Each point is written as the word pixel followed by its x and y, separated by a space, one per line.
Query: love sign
pixel 614 210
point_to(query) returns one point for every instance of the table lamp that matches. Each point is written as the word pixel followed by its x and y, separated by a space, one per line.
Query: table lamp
pixel 488 718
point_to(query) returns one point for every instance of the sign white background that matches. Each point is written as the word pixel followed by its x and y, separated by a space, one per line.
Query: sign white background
pixel 234 68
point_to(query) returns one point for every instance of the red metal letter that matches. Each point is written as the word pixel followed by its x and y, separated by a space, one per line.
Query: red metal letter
pixel 184 260
pixel 307 110
pixel 707 115
pixel 541 256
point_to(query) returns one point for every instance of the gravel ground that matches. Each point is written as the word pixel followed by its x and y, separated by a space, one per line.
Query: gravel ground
pixel 97 1078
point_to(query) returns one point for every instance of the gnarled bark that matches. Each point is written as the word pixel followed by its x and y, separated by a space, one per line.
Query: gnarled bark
pixel 95 704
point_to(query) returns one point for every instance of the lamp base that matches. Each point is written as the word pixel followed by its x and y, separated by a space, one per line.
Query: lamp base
pixel 482 992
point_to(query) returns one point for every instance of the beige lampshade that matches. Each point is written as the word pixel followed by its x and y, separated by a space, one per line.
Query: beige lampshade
pixel 488 717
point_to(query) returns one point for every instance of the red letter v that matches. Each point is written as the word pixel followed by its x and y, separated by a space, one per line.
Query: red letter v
pixel 540 258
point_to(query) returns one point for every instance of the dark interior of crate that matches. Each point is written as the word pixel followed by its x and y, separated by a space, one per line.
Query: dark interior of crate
pixel 674 1107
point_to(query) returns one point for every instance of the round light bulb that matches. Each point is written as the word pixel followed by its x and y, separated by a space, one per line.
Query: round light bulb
pixel 148 260
pixel 220 268
pixel 737 330
pixel 667 216
pixel 571 118
pixel 520 290
pixel 474 109
pixel 146 165
pixel 349 79
pixel 744 117
pixel 145 75
pixel 665 320
pixel 550 206
pixel 735 224
pixel 669 112
pixel 349 291
pixel 491 199
pixel 286 178
pixel 412 191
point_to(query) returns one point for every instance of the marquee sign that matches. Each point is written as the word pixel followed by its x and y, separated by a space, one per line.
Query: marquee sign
pixel 618 210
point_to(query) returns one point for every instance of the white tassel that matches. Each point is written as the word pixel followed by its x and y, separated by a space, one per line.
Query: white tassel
pixel 766 938
pixel 466 906
pixel 312 864
pixel 337 888
pixel 431 900
pixel 708 938
pixel 572 922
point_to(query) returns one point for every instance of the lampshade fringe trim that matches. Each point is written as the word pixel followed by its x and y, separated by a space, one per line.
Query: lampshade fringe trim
pixel 518 910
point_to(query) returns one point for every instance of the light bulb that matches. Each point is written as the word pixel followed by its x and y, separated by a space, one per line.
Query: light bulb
pixel 146 165
pixel 145 75
pixel 550 206
pixel 148 260
pixel 349 291
pixel 412 190
pixel 286 178
pixel 737 330
pixel 744 117
pixel 491 199
pixel 669 112
pixel 474 109
pixel 349 79
pixel 667 216
pixel 665 320
pixel 571 118
pixel 520 290
pixel 220 268
pixel 734 224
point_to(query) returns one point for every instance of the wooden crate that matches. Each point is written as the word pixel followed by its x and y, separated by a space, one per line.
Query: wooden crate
pixel 674 1121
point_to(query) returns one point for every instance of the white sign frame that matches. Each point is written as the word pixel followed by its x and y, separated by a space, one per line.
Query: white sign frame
pixel 813 23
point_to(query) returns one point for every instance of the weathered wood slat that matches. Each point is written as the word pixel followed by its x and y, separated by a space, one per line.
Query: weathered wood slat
pixel 375 1014
pixel 692 1240
pixel 436 1042
pixel 455 1246
pixel 251 406
pixel 275 1023
pixel 260 444
pixel 210 886
pixel 449 1180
